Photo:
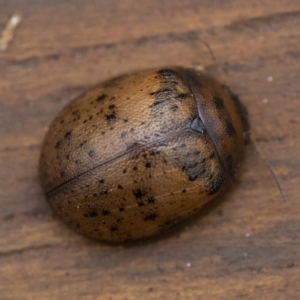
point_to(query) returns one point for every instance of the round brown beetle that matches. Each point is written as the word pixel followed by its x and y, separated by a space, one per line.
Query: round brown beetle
pixel 140 152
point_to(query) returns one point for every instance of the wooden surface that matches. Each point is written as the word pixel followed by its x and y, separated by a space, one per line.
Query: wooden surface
pixel 247 246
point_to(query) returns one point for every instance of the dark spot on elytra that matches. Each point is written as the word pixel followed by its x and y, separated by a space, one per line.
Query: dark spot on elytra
pixel 214 186
pixel 189 165
pixel 111 106
pixel 68 157
pixel 161 92
pixel 148 165
pixel 193 177
pixel 184 191
pixel 141 203
pixel 120 187
pixel 181 96
pixel 139 193
pixel 124 170
pixel 92 154
pixel 219 103
pixel 111 117
pixel 92 213
pixel 174 108
pixel 125 121
pixel 101 97
pixel 150 217
pixel 156 104
pixel 104 192
pixel 134 168
pixel 230 130
pixel 68 135
pixel 105 212
pixel 101 180
pixel 57 145
pixel 114 228
pixel 151 199
pixel 167 73
pixel 121 209
pixel 62 173
pixel 212 155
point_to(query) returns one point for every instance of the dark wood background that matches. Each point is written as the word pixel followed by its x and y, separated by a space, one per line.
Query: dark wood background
pixel 247 246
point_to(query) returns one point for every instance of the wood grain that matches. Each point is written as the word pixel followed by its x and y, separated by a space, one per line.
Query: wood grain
pixel 246 246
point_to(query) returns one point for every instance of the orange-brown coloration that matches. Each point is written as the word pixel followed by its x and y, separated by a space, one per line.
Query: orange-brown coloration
pixel 135 154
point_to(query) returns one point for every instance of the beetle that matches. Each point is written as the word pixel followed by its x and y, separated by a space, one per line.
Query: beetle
pixel 138 153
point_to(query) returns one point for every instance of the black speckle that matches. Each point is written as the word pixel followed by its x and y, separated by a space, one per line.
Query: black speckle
pixel 219 103
pixel 121 209
pixel 150 217
pixel 68 156
pixel 104 192
pixel 114 228
pixel 212 155
pixel 120 187
pixel 92 154
pixel 105 212
pixel 161 92
pixel 101 180
pixel 193 177
pixel 156 104
pixel 181 96
pixel 229 128
pixel 62 173
pixel 57 145
pixel 101 97
pixel 124 170
pixel 139 193
pixel 214 186
pixel 92 213
pixel 174 108
pixel 111 117
pixel 111 106
pixel 62 121
pixel 125 121
pixel 167 73
pixel 184 190
pixel 148 165
pixel 189 165
pixel 151 199
pixel 134 168
pixel 68 135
